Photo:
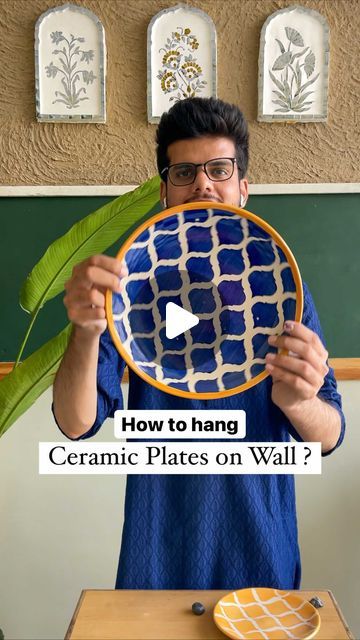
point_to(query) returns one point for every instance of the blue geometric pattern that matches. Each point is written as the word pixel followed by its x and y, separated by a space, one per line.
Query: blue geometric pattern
pixel 225 269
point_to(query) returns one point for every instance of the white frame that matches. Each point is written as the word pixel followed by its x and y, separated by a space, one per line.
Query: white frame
pixel 152 79
pixel 97 101
pixel 319 40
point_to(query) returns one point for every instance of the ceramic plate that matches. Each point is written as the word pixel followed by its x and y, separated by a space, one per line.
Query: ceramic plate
pixel 222 264
pixel 266 614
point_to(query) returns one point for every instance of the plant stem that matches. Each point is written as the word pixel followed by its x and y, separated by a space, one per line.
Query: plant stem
pixel 287 65
pixel 291 86
pixel 66 58
pixel 187 82
pixel 60 70
pixel 22 347
pixel 4 425
pixel 292 80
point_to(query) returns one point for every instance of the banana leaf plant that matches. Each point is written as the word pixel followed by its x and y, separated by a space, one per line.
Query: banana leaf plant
pixel 93 234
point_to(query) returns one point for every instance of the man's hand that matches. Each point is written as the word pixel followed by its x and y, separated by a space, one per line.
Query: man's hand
pixel 85 291
pixel 75 385
pixel 298 377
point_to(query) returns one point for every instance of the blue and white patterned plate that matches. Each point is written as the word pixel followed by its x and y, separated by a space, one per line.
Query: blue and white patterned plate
pixel 224 265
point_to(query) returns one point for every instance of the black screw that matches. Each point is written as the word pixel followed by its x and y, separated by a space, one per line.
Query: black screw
pixel 198 608
pixel 316 602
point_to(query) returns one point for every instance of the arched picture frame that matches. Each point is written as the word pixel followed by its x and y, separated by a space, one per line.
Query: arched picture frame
pixel 294 66
pixel 70 66
pixel 181 52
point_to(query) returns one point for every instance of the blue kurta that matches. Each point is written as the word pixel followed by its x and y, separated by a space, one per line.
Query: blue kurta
pixel 209 531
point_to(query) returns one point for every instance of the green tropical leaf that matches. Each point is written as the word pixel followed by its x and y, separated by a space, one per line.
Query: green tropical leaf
pixel 294 37
pixel 282 61
pixel 22 386
pixel 309 64
pixel 91 235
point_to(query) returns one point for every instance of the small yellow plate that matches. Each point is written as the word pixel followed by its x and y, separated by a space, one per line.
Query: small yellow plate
pixel 266 614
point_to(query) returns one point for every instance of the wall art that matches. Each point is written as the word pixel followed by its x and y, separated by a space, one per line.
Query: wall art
pixel 181 51
pixel 294 66
pixel 70 66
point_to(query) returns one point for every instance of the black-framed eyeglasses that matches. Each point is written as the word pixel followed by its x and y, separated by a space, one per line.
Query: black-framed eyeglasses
pixel 184 173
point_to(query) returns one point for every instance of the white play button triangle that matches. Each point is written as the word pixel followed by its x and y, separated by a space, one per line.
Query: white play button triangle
pixel 178 320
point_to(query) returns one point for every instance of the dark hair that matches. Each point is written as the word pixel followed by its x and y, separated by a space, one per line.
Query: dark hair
pixel 195 117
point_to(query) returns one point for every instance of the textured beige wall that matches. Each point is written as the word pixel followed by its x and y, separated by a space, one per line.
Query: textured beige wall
pixel 122 150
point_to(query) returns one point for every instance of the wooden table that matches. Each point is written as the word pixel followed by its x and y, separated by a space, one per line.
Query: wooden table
pixel 166 615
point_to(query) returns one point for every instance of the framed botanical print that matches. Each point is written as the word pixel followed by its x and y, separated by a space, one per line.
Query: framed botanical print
pixel 70 66
pixel 294 66
pixel 181 50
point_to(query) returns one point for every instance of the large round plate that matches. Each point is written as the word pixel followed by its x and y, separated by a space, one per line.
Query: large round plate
pixel 226 266
pixel 266 614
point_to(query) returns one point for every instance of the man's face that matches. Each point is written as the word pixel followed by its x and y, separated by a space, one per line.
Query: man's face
pixel 200 150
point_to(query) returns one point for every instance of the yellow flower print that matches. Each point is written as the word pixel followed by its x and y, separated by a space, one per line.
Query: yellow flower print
pixel 180 74
pixel 169 82
pixel 171 59
pixel 191 70
pixel 192 41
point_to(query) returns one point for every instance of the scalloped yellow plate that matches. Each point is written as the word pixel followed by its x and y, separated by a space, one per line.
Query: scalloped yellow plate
pixel 266 614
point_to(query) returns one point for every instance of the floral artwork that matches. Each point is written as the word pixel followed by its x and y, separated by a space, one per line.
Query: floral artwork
pixel 70 66
pixel 181 58
pixel 294 66
pixel 181 72
pixel 290 80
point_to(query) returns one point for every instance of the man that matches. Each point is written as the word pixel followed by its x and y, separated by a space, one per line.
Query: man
pixel 196 531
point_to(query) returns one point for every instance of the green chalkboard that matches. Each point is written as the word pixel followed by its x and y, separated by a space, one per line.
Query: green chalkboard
pixel 323 232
